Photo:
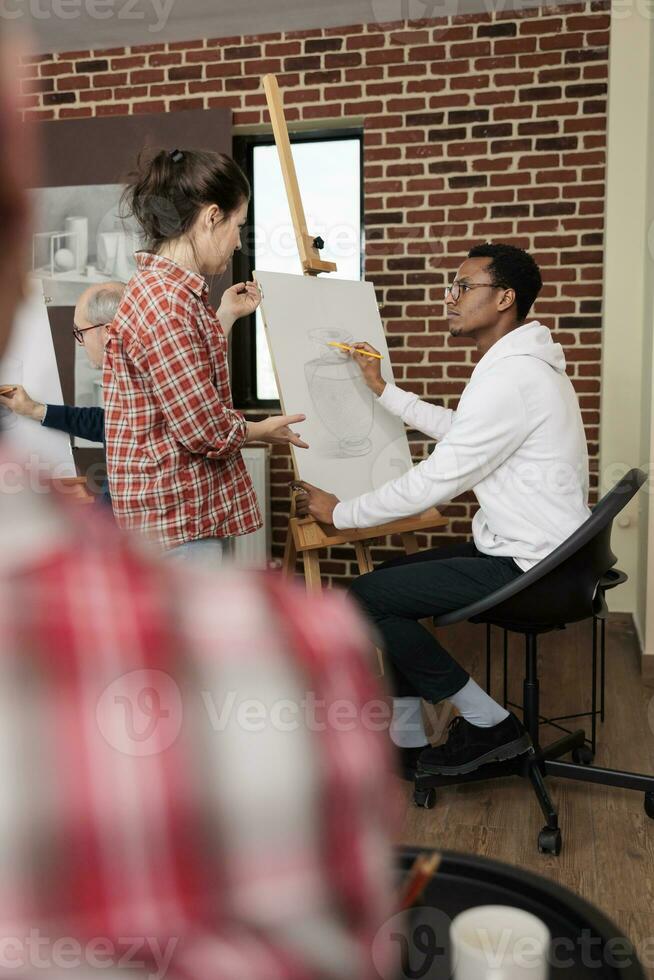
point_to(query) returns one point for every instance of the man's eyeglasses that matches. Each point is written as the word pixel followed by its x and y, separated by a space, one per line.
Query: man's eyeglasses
pixel 457 288
pixel 78 332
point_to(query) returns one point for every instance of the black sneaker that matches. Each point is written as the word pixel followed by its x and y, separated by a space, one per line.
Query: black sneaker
pixel 468 747
pixel 407 761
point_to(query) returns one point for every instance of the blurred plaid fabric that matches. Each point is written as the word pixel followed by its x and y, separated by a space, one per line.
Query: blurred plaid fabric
pixel 184 764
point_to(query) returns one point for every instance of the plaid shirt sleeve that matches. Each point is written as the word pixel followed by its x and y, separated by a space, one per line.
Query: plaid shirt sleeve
pixel 182 384
pixel 193 777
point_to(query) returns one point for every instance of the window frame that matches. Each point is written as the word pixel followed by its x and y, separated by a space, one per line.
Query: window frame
pixel 244 345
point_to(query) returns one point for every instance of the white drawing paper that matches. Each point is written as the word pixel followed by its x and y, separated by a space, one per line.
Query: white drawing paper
pixel 30 361
pixel 355 445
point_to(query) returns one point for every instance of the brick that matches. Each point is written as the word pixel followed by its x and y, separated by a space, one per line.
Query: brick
pixel 303 63
pixel 56 68
pixel 541 25
pixel 558 208
pixel 541 93
pixel 265 66
pixel 497 30
pixel 242 84
pixel 73 83
pixel 409 37
pixel 100 64
pixel 319 45
pixel 185 73
pixel 563 40
pixel 58 98
pixel 115 109
pixel 179 88
pixel 184 105
pixel 518 45
pixel 387 56
pixel 365 42
pixel 242 52
pixel 585 54
pixel 351 60
pixel 143 76
pixel 280 49
pixel 322 77
pixel 79 113
pixel 463 116
pixel 425 119
pixel 510 211
pixel 488 130
pixel 139 108
pixel 557 143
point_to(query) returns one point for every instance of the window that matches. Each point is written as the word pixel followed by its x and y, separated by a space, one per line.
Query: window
pixel 329 168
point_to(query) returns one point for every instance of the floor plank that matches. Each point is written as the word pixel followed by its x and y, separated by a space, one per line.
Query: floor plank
pixel 608 841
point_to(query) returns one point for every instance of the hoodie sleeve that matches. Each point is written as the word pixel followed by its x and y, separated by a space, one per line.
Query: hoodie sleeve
pixel 433 420
pixel 489 426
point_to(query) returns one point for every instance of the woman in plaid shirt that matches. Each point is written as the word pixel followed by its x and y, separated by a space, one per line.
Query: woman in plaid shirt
pixel 173 437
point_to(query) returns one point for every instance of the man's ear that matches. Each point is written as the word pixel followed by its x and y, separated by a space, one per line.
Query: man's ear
pixel 507 299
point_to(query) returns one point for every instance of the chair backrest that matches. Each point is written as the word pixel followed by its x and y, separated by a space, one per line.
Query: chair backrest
pixel 560 588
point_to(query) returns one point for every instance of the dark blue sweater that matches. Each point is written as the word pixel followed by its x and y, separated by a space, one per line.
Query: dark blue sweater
pixel 86 423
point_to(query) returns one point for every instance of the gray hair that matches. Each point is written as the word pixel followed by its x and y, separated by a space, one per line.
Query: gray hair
pixel 102 306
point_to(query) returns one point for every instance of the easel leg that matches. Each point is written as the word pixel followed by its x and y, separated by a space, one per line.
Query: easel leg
pixel 290 555
pixel 290 550
pixel 410 542
pixel 364 560
pixel 312 571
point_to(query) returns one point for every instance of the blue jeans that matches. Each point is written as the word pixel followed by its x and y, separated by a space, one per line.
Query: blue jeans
pixel 401 592
pixel 207 552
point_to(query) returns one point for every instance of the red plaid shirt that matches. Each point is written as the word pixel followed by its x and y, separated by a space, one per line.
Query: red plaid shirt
pixel 173 438
pixel 148 813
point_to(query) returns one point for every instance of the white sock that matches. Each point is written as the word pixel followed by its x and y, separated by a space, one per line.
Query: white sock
pixel 477 707
pixel 407 729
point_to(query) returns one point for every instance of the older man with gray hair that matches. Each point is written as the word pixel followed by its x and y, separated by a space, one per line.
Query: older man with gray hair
pixel 95 309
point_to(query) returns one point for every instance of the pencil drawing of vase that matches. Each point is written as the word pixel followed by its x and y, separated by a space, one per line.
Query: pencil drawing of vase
pixel 340 396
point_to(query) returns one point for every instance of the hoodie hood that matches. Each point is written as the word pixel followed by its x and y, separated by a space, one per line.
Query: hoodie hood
pixel 532 339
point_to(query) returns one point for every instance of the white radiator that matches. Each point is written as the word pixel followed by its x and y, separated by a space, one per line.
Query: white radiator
pixel 253 550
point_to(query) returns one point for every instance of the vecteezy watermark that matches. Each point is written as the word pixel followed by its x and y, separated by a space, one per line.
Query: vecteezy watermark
pixel 36 951
pixel 140 713
pixel 154 13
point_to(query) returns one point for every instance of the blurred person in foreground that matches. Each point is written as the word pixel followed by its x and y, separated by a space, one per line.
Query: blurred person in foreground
pixel 148 820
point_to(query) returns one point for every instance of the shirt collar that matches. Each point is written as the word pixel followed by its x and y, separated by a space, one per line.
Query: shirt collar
pixel 195 282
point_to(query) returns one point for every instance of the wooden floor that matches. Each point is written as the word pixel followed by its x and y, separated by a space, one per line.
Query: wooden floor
pixel 608 841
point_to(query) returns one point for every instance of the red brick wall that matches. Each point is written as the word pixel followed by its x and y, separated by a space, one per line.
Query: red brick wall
pixel 477 127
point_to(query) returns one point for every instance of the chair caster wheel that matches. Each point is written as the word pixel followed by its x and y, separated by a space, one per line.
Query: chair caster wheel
pixel 649 805
pixel 425 798
pixel 583 756
pixel 549 841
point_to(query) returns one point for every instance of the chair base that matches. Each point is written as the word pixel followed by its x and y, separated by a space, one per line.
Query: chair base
pixel 535 765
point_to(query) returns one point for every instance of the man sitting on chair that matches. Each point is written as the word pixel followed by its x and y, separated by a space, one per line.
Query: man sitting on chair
pixel 517 440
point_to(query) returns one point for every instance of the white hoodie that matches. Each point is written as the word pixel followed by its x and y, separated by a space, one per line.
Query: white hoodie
pixel 516 439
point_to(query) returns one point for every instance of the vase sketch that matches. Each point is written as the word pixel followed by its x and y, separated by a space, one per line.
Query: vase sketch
pixel 340 396
pixel 77 228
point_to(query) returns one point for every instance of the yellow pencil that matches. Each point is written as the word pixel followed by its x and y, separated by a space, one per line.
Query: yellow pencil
pixel 332 343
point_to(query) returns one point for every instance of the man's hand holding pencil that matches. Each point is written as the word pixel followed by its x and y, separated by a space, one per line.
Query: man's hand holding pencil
pixel 369 360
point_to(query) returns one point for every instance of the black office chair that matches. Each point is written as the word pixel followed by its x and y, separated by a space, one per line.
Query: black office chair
pixel 561 589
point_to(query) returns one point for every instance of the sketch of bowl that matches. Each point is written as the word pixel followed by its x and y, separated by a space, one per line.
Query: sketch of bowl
pixel 340 396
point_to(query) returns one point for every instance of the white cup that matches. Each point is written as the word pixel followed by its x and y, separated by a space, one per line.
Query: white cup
pixel 499 942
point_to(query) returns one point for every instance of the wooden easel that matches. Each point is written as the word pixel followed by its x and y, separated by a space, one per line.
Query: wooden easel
pixel 305 536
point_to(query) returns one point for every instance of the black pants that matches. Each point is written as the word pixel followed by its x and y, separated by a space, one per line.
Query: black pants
pixel 400 592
